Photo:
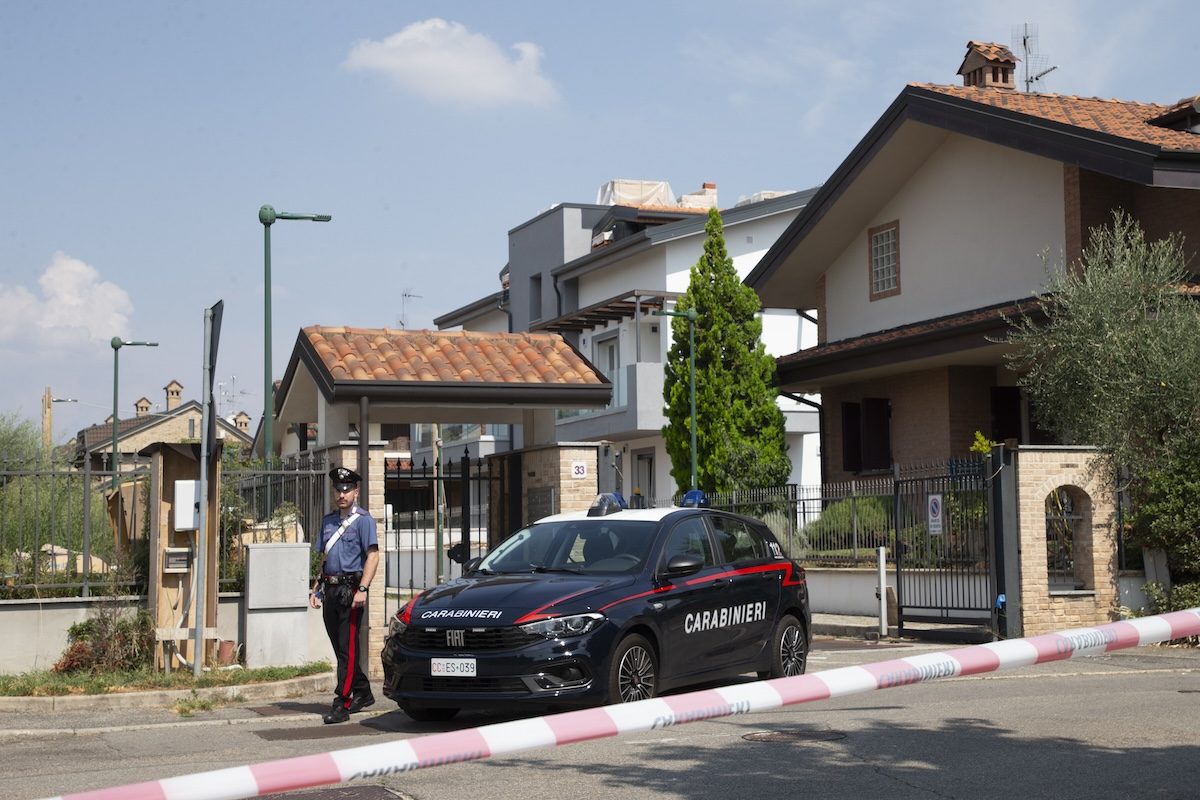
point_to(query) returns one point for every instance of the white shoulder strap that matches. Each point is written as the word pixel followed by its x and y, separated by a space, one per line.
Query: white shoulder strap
pixel 346 523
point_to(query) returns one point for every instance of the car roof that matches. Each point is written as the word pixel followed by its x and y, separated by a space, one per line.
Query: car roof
pixel 633 514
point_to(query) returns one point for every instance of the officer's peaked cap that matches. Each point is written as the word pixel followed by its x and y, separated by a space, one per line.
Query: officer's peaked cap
pixel 344 478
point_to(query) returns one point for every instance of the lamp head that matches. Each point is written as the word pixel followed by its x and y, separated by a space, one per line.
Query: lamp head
pixel 266 215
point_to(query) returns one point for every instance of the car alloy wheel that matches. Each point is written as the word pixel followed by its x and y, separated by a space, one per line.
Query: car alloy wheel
pixel 792 652
pixel 634 671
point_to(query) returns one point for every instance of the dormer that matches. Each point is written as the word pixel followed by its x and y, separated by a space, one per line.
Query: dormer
pixel 988 65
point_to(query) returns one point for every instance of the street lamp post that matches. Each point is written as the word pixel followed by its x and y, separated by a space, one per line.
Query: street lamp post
pixel 117 343
pixel 267 216
pixel 690 315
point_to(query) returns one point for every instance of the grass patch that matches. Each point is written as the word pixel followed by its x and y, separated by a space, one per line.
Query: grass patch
pixel 46 683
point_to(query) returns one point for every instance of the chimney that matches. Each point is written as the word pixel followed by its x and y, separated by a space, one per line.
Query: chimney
pixel 242 421
pixel 142 407
pixel 989 66
pixel 174 391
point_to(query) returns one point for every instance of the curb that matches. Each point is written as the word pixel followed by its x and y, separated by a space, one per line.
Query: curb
pixel 165 698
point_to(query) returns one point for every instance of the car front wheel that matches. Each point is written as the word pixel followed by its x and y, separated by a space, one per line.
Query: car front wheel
pixel 633 675
pixel 789 650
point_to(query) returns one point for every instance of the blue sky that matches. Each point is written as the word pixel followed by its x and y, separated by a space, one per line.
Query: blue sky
pixel 139 140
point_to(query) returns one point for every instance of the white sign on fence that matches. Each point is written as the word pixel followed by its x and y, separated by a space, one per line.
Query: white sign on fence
pixel 934 517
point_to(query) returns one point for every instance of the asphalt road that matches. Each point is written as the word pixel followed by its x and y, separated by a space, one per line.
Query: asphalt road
pixel 1123 725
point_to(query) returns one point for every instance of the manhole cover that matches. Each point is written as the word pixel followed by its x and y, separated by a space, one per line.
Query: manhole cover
pixel 284 709
pixel 794 736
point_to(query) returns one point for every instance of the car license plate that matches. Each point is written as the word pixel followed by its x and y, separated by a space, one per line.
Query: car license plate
pixel 452 667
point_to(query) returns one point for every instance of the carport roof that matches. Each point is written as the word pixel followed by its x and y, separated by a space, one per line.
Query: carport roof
pixel 427 368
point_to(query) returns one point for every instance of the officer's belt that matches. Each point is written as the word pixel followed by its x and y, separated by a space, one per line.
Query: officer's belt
pixel 344 577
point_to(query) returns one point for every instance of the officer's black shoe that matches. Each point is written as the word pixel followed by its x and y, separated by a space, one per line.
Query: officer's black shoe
pixel 361 701
pixel 339 713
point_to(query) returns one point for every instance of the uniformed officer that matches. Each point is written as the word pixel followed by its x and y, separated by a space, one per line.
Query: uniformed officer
pixel 350 557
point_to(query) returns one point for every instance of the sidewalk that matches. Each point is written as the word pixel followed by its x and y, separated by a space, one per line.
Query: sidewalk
pixel 20 712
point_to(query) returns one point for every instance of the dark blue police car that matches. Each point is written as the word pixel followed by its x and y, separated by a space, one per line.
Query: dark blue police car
pixel 608 605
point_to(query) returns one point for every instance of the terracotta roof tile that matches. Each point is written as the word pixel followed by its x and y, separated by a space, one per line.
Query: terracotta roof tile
pixel 383 354
pixel 1121 118
pixel 992 51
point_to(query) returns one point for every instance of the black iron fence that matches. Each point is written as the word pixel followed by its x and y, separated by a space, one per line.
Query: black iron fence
pixel 843 523
pixel 437 519
pixel 284 503
pixel 63 532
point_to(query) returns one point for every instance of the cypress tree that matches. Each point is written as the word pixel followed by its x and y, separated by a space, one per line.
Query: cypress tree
pixel 739 428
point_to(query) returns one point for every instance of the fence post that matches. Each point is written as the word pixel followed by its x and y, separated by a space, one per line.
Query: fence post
pixel 899 550
pixel 466 506
pixel 882 592
pixel 87 525
pixel 854 519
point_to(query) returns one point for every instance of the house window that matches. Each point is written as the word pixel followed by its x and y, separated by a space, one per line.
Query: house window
pixel 884 245
pixel 867 435
pixel 608 359
pixel 535 297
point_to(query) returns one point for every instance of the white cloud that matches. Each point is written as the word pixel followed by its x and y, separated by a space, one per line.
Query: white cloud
pixel 75 307
pixel 445 63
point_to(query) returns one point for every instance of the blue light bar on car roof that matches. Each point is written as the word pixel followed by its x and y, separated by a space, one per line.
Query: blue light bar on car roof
pixel 694 498
pixel 607 503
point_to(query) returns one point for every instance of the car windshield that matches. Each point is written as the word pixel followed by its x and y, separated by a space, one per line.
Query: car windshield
pixel 584 546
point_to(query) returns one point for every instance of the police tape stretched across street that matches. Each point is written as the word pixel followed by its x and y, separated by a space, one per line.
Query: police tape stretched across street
pixel 593 723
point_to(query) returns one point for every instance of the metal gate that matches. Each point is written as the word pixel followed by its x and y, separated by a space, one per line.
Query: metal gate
pixel 943 547
pixel 438 519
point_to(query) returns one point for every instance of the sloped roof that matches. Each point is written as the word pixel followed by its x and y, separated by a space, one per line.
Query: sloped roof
pixel 473 367
pixel 98 437
pixel 1121 118
pixel 1111 137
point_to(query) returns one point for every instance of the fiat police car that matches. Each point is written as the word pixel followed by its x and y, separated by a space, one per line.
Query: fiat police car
pixel 603 606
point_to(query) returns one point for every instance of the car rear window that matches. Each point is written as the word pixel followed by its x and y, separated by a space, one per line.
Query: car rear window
pixel 738 541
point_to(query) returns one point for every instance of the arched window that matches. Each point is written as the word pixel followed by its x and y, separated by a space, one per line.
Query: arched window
pixel 1068 539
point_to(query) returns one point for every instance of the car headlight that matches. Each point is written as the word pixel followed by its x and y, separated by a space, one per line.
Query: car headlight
pixel 559 627
pixel 399 621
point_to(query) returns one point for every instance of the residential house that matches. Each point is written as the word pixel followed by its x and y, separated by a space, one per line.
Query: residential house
pixel 597 273
pixel 932 232
pixel 180 422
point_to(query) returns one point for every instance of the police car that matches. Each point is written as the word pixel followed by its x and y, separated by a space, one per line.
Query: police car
pixel 603 606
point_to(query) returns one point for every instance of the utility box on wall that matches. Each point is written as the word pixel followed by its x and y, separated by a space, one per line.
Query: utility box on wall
pixel 275 610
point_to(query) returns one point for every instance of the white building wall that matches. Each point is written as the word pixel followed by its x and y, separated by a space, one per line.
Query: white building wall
pixel 970 213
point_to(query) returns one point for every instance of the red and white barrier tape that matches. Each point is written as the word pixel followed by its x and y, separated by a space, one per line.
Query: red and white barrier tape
pixel 405 755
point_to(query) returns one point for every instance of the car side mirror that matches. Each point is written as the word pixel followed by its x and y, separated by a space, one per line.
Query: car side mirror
pixel 472 565
pixel 683 564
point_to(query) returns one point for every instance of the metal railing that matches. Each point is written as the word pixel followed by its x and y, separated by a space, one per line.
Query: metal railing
pixel 57 536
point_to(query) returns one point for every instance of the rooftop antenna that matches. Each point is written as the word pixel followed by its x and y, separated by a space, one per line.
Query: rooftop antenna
pixel 404 295
pixel 226 394
pixel 1025 40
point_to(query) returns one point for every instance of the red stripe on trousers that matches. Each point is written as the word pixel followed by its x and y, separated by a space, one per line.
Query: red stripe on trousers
pixel 351 655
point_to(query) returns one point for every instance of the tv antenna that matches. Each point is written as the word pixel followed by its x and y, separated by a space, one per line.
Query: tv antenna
pixel 404 295
pixel 228 393
pixel 1025 39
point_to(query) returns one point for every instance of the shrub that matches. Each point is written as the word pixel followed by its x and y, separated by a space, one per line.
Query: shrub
pixel 1182 596
pixel 834 529
pixel 109 641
